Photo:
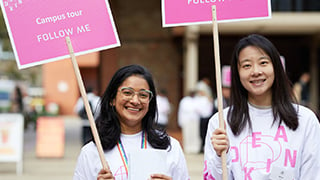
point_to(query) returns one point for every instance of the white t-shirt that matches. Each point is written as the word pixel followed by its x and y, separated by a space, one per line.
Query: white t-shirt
pixel 193 108
pixel 268 150
pixel 89 163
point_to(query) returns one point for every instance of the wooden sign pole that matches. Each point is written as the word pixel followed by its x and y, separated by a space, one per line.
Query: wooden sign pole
pixel 218 84
pixel 86 104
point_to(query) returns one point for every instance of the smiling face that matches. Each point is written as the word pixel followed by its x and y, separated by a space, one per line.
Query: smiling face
pixel 256 75
pixel 131 112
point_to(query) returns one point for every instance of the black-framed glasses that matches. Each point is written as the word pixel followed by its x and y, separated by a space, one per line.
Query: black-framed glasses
pixel 128 93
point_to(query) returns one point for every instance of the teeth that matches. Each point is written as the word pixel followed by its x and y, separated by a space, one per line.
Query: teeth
pixel 258 81
pixel 133 109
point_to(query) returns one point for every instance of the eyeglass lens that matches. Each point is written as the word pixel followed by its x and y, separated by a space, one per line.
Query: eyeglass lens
pixel 143 95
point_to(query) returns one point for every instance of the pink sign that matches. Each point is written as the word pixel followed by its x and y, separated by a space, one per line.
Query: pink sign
pixel 189 12
pixel 38 28
pixel 226 76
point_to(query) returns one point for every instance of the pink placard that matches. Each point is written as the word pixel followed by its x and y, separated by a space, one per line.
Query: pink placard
pixel 38 28
pixel 226 76
pixel 189 12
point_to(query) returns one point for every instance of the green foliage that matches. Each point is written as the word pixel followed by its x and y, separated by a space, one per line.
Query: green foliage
pixel 3 28
pixel 4 37
pixel 13 72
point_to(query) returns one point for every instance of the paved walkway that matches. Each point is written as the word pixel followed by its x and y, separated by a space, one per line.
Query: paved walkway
pixel 35 168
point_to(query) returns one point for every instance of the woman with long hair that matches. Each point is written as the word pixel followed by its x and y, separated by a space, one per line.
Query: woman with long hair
pixel 267 134
pixel 127 123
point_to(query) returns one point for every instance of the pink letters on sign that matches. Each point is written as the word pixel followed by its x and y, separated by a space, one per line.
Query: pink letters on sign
pixel 38 28
pixel 188 12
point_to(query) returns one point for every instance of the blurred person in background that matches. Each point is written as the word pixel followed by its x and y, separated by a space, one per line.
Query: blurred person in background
pixel 80 110
pixel 226 84
pixel 204 86
pixel 164 109
pixel 17 100
pixel 191 109
pixel 301 89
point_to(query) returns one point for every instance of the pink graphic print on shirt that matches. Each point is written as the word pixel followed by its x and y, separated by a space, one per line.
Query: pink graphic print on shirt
pixel 253 146
pixel 207 173
pixel 258 152
pixel 121 173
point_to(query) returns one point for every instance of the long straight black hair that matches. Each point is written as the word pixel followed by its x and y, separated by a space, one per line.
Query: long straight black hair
pixel 282 94
pixel 107 122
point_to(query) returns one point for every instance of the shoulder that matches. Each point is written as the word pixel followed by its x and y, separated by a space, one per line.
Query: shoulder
pixel 305 113
pixel 90 148
pixel 303 110
pixel 307 119
pixel 174 141
pixel 185 99
pixel 175 152
pixel 177 166
pixel 175 145
pixel 88 154
pixel 215 117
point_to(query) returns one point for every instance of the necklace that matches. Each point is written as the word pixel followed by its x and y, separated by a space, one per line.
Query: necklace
pixel 123 153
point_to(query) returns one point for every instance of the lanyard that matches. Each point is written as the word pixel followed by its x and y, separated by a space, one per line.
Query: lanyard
pixel 123 154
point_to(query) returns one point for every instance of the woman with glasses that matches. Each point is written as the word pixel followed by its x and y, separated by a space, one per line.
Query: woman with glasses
pixel 127 123
pixel 267 135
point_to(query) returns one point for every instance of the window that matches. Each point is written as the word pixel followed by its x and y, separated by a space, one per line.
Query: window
pixel 295 5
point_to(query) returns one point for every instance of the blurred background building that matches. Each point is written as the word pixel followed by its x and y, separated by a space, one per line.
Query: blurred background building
pixel 177 57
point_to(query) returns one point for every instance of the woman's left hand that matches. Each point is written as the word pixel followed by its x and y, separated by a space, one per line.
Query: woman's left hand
pixel 159 177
